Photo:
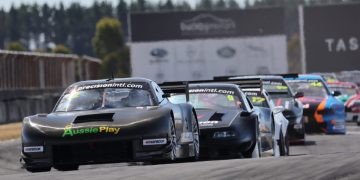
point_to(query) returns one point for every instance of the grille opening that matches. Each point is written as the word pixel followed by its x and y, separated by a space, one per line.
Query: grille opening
pixel 88 153
pixel 94 118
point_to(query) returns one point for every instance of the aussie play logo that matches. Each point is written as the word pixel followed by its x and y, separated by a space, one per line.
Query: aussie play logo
pixel 70 131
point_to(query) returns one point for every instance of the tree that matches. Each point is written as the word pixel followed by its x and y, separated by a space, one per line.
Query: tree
pixel 46 23
pixel 220 4
pixel 232 4
pixel 15 46
pixel 184 6
pixel 61 49
pixel 13 22
pixel 117 63
pixel 2 30
pixel 60 28
pixel 168 5
pixel 108 37
pixel 122 14
pixel 205 5
pixel 108 43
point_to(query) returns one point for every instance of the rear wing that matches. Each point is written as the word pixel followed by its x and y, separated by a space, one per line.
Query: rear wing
pixel 183 86
pixel 290 75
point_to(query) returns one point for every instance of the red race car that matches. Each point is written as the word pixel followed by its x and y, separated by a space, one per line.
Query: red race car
pixel 350 96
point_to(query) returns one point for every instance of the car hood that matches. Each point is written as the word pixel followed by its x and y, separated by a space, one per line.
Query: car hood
pixel 54 124
pixel 209 118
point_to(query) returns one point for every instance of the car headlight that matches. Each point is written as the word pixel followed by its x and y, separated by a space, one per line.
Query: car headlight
pixel 224 134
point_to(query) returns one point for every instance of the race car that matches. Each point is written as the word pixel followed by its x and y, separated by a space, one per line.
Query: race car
pixel 280 93
pixel 350 96
pixel 329 77
pixel 272 113
pixel 229 123
pixel 322 111
pixel 105 121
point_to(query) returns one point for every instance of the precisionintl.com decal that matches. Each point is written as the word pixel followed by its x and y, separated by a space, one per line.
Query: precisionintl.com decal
pixel 110 85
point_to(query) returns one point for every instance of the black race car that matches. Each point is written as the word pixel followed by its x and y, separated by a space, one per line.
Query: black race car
pixel 229 124
pixel 281 95
pixel 114 120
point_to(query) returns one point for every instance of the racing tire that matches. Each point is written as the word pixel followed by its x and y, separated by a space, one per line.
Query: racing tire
pixel 196 141
pixel 36 169
pixel 173 141
pixel 282 145
pixel 67 167
pixel 287 145
pixel 255 151
pixel 275 144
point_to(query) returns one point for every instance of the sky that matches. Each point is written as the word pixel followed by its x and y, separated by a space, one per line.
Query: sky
pixel 6 4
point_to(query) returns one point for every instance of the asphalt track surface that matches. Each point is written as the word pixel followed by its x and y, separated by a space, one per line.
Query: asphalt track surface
pixel 323 157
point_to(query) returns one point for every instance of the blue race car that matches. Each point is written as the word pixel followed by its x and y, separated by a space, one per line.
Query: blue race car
pixel 322 111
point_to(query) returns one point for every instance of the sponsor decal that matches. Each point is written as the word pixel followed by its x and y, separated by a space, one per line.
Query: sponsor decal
pixel 212 90
pixel 251 93
pixel 149 142
pixel 110 85
pixel 30 149
pixel 208 123
pixel 316 84
pixel 230 98
pixel 207 24
pixel 226 52
pixel 257 100
pixel 158 52
pixel 70 131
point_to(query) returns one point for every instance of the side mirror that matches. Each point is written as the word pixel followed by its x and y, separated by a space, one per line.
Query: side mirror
pixel 299 95
pixel 166 95
pixel 278 109
pixel 336 93
pixel 245 113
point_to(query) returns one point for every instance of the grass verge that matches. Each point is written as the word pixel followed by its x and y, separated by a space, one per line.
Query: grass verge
pixel 10 131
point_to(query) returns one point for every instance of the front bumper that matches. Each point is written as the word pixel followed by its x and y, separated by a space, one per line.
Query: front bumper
pixel 95 152
pixel 216 147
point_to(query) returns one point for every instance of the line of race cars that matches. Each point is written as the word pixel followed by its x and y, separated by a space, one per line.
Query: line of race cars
pixel 135 119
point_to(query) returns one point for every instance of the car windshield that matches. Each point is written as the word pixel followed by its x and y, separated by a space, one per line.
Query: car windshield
pixel 209 100
pixel 349 91
pixel 284 100
pixel 104 98
pixel 309 88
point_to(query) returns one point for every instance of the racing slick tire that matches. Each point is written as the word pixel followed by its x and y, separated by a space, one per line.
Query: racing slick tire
pixel 173 141
pixel 196 142
pixel 276 145
pixel 67 167
pixel 283 145
pixel 255 152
